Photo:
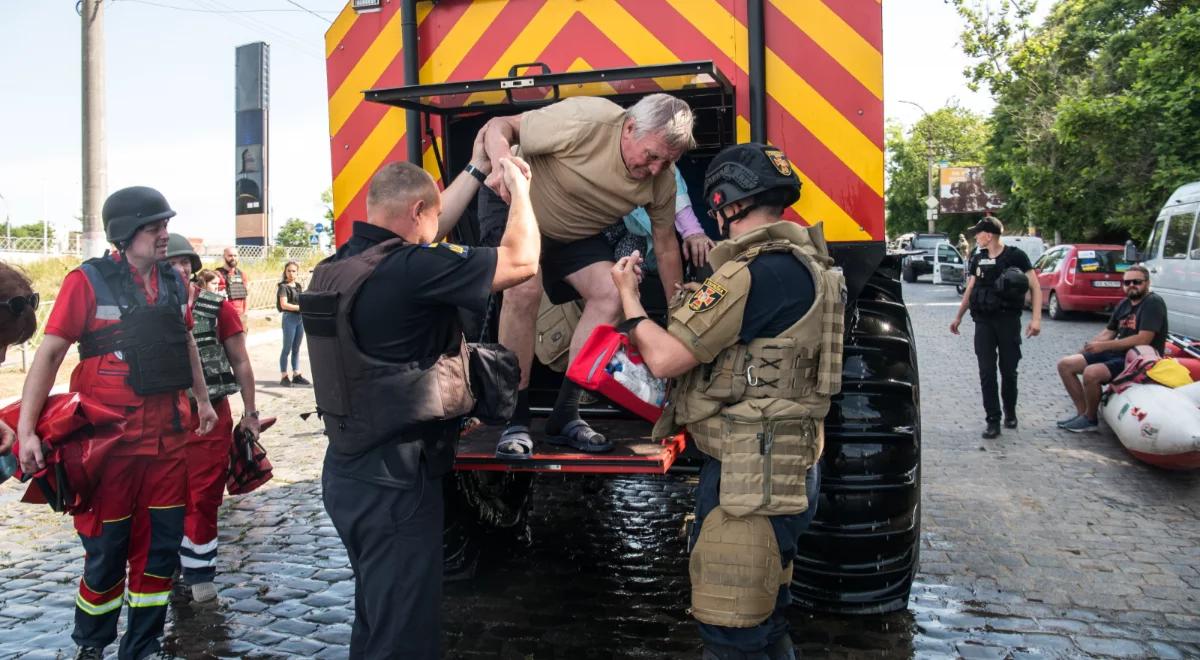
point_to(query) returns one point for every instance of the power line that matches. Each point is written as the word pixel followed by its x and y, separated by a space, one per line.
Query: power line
pixel 229 11
pixel 297 4
pixel 256 25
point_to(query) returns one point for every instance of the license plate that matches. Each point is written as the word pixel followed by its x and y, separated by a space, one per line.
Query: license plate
pixel 1107 284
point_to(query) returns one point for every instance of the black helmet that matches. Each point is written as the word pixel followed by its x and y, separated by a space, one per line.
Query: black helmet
pixel 179 246
pixel 745 170
pixel 126 210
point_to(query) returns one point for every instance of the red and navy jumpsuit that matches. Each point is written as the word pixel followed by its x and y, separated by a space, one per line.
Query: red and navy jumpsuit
pixel 207 471
pixel 136 519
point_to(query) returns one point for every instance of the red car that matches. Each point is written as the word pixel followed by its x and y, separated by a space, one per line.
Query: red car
pixel 1081 278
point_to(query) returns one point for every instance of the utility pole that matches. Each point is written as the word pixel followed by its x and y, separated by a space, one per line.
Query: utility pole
pixel 95 167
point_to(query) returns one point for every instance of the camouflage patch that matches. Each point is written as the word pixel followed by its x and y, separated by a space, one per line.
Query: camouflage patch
pixel 779 161
pixel 707 296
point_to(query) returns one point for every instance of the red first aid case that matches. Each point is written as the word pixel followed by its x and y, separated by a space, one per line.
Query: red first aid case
pixel 610 365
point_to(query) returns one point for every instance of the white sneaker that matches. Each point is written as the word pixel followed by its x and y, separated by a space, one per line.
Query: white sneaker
pixel 202 592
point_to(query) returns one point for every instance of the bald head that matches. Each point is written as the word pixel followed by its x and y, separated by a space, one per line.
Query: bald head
pixel 394 189
pixel 231 257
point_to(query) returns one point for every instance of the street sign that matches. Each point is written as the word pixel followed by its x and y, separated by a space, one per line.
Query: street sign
pixel 931 203
pixel 318 228
pixel 931 214
pixel 312 239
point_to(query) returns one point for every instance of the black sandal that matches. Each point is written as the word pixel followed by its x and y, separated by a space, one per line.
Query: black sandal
pixel 515 443
pixel 579 435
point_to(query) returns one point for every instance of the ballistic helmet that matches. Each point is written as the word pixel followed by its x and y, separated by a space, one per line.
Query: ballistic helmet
pixel 126 210
pixel 745 170
pixel 179 246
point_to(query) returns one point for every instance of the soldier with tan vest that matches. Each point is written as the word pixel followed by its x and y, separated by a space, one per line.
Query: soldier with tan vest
pixel 756 354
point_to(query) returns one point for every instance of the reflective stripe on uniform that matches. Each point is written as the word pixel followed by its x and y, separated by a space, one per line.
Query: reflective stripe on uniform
pixel 156 599
pixel 97 609
pixel 201 549
pixel 192 562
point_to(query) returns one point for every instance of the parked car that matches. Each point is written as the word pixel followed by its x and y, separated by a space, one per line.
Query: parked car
pixel 1081 278
pixel 1172 256
pixel 920 249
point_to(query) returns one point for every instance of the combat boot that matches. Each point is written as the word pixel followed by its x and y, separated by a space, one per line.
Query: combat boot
pixel 89 653
pixel 992 430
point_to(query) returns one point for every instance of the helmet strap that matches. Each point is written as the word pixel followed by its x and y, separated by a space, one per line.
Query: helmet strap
pixel 730 219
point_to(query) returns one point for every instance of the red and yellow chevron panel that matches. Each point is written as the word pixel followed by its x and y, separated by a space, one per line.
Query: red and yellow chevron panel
pixel 824 81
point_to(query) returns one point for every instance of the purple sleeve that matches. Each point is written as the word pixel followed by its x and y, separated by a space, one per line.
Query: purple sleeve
pixel 686 222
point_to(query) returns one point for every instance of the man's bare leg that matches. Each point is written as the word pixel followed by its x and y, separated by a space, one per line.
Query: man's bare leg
pixel 1094 377
pixel 1069 369
pixel 602 304
pixel 518 321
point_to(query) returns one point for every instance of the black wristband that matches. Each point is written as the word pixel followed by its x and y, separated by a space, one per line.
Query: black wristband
pixel 475 172
pixel 625 327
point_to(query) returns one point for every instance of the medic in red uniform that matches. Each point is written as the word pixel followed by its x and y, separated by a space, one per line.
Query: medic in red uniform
pixel 221 341
pixel 129 314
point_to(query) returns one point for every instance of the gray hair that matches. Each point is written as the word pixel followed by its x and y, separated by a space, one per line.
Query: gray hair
pixel 395 184
pixel 664 115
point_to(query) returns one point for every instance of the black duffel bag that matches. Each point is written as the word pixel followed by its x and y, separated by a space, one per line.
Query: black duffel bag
pixel 495 375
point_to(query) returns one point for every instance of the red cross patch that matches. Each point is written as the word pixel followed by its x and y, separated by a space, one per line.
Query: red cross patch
pixel 707 296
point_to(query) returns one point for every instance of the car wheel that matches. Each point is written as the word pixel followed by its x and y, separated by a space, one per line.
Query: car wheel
pixel 1055 310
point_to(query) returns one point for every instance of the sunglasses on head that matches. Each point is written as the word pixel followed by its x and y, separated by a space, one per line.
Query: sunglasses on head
pixel 1133 282
pixel 18 304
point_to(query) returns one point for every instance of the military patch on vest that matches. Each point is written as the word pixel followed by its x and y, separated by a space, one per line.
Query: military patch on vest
pixel 707 296
pixel 460 250
pixel 779 161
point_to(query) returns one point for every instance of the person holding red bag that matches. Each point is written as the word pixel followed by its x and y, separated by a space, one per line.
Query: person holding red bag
pixel 221 341
pixel 129 313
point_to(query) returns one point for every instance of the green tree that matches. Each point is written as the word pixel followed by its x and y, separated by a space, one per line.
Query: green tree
pixel 32 230
pixel 294 233
pixel 952 135
pixel 327 200
pixel 1096 111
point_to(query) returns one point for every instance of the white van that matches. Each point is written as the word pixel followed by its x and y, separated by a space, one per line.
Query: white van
pixel 1173 258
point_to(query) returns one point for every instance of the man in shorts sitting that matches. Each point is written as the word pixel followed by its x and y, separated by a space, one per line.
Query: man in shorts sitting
pixel 592 162
pixel 1140 320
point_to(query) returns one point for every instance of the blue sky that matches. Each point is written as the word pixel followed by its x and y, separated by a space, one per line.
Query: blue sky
pixel 170 100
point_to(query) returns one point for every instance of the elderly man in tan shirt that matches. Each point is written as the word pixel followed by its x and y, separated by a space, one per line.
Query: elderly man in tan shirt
pixel 592 163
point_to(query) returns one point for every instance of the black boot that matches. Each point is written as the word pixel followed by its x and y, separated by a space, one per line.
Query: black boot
pixel 992 430
pixel 1010 421
pixel 783 649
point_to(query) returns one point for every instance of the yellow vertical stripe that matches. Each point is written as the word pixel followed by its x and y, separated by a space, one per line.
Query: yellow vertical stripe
pixel 461 39
pixel 825 122
pixel 337 31
pixel 359 169
pixel 626 33
pixel 838 39
pixel 538 34
pixel 369 68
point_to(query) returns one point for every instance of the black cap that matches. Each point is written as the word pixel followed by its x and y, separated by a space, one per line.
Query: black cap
pixel 986 224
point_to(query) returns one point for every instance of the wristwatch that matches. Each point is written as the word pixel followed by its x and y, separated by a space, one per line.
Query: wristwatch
pixel 475 172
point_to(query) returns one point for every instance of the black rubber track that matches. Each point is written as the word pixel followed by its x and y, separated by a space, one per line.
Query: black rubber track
pixel 863 549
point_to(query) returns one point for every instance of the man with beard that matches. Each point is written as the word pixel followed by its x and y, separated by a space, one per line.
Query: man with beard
pixel 1140 320
pixel 233 282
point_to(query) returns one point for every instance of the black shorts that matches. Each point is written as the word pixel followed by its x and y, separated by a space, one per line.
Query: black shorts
pixel 559 259
pixel 1114 360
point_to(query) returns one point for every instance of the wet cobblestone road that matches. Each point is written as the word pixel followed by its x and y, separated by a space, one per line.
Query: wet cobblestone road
pixel 1037 544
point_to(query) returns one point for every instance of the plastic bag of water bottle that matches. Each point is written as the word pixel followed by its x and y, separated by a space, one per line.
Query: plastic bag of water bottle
pixel 636 378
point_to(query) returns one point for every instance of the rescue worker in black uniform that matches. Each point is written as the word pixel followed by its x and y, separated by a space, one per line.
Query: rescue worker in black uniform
pixel 389 367
pixel 756 353
pixel 998 277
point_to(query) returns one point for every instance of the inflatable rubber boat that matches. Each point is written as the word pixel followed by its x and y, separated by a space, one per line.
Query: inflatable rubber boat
pixel 1158 425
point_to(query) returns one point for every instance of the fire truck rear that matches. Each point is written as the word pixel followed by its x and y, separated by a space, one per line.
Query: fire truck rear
pixel 415 80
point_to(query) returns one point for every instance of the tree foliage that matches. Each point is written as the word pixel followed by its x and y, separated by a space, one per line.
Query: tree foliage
pixel 32 230
pixel 1097 111
pixel 951 135
pixel 294 233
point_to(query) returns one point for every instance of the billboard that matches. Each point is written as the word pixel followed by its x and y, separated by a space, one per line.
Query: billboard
pixel 252 66
pixel 961 191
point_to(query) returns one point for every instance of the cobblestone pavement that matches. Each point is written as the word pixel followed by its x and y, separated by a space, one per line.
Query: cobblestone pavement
pixel 1037 544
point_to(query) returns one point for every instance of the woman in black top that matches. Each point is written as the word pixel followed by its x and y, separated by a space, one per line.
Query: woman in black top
pixel 287 301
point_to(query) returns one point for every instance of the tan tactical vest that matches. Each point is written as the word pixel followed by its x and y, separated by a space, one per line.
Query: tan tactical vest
pixel 759 407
